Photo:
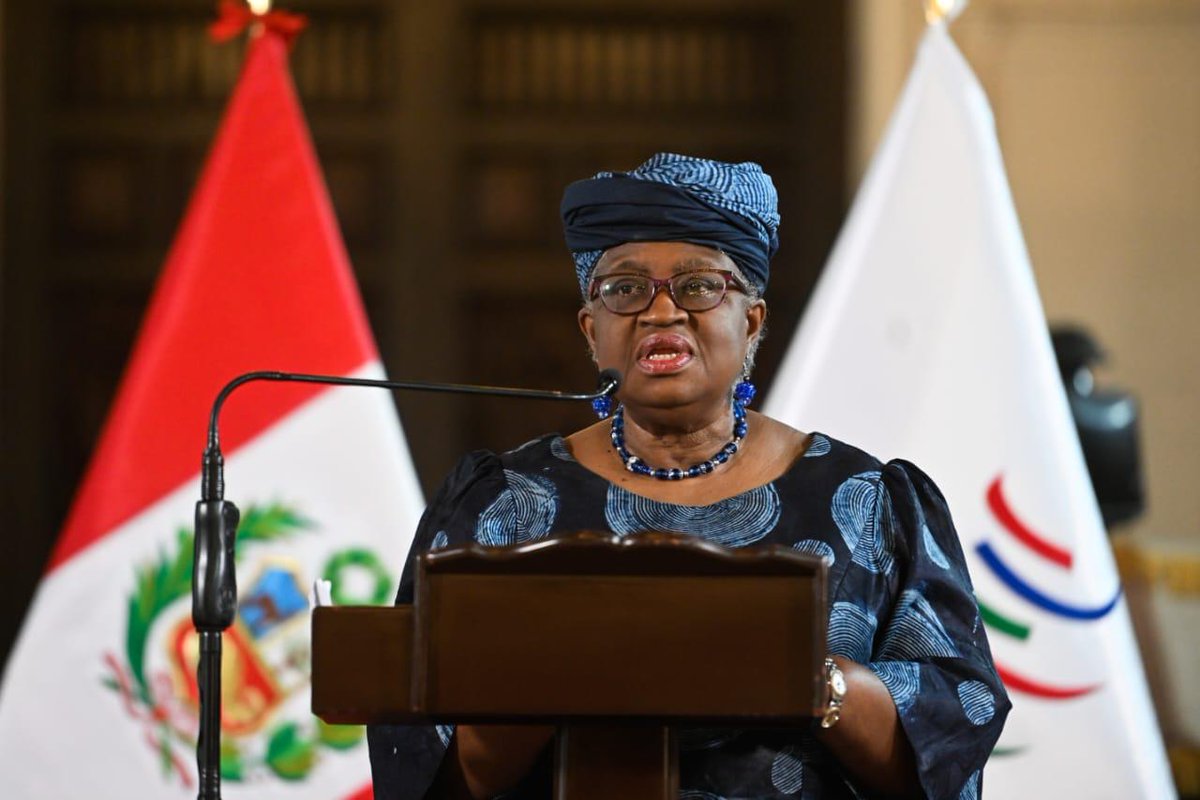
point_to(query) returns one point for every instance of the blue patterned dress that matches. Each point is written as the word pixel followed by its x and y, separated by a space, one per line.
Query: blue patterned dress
pixel 900 602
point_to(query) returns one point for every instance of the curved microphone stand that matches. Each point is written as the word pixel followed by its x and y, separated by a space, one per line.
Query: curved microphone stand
pixel 214 583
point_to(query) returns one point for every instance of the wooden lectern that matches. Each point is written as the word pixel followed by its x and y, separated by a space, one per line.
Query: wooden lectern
pixel 612 639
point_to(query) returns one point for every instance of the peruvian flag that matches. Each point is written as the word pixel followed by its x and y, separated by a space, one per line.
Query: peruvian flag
pixel 99 697
pixel 925 339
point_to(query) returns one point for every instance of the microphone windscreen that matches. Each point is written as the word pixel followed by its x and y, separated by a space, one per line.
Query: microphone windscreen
pixel 610 381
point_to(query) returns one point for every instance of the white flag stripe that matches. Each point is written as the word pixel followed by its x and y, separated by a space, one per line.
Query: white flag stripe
pixel 925 339
pixel 339 460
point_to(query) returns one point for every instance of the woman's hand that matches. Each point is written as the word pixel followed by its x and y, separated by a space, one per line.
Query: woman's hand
pixel 868 739
pixel 485 760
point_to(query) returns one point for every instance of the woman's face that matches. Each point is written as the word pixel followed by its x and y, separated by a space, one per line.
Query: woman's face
pixel 670 358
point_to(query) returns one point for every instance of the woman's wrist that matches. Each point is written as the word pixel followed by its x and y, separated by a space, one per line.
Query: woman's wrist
pixel 868 738
pixel 835 693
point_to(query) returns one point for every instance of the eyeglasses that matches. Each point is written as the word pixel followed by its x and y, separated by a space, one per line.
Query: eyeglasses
pixel 691 291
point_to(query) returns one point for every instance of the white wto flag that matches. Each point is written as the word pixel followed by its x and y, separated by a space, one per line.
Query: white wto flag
pixel 925 339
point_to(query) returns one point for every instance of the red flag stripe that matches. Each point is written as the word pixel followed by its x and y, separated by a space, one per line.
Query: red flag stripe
pixel 257 278
pixel 1022 532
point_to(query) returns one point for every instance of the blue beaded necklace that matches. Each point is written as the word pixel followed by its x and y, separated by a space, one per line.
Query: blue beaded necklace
pixel 635 464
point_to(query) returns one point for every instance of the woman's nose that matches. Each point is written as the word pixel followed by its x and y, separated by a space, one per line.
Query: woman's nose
pixel 662 307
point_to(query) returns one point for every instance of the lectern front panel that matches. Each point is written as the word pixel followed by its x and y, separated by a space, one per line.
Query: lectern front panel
pixel 586 628
pixel 362 662
pixel 661 647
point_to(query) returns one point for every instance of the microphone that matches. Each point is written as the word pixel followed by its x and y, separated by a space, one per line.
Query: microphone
pixel 214 582
pixel 212 480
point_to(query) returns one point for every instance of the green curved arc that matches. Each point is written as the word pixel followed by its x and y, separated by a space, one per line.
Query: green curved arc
pixel 1001 752
pixel 997 621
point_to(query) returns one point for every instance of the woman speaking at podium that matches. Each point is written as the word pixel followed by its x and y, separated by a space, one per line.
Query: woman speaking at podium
pixel 672 260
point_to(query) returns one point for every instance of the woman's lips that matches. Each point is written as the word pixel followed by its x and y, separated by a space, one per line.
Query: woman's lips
pixel 663 353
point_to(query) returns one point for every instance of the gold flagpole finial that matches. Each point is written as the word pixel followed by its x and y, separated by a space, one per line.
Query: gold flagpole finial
pixel 259 7
pixel 943 10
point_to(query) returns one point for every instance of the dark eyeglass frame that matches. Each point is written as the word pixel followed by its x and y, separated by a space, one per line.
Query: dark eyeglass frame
pixel 730 280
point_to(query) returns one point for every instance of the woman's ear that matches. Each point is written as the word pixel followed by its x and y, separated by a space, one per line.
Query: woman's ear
pixel 756 317
pixel 586 324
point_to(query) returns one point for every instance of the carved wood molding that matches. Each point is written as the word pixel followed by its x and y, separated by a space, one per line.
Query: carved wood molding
pixel 600 553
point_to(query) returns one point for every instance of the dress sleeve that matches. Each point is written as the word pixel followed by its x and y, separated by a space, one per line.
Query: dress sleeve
pixel 931 650
pixel 406 758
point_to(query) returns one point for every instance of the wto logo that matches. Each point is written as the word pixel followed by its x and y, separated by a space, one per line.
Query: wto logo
pixel 1042 601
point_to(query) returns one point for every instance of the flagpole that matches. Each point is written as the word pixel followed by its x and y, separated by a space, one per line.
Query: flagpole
pixel 259 8
pixel 940 12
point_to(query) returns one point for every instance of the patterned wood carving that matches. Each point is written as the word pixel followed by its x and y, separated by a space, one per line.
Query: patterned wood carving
pixel 90 338
pixel 446 131
pixel 122 55
pixel 129 200
pixel 100 196
pixel 531 340
pixel 358 176
pixel 510 200
pixel 556 62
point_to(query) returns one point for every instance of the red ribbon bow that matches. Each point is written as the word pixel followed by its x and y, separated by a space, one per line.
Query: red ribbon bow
pixel 233 17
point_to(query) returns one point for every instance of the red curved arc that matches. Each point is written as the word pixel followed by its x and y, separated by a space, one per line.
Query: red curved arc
pixel 1029 686
pixel 1022 532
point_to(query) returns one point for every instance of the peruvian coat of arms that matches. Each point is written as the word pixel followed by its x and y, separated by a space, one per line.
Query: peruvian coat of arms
pixel 267 731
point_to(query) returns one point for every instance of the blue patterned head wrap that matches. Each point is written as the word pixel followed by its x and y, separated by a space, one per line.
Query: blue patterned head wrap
pixel 674 198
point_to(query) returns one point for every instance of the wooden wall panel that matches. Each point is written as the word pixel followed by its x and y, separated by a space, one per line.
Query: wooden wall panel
pixel 151 55
pixel 447 132
pixel 715 63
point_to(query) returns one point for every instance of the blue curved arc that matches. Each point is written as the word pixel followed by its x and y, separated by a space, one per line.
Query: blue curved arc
pixel 1042 601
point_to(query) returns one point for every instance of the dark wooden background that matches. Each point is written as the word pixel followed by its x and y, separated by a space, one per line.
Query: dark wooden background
pixel 446 130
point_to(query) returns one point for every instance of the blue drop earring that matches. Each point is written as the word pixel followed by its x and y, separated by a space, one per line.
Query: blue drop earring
pixel 744 391
pixel 603 406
